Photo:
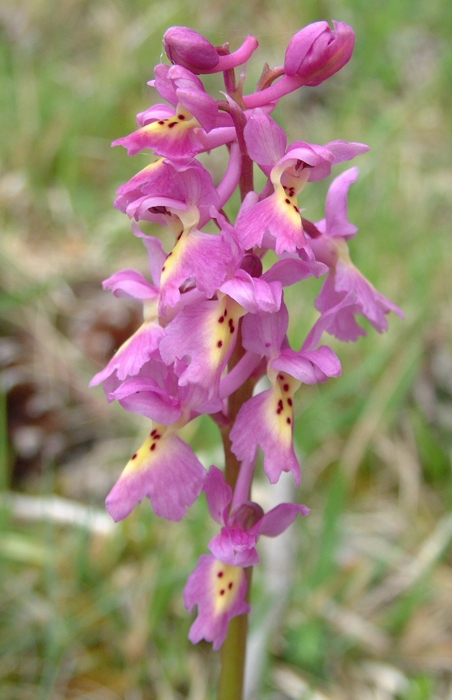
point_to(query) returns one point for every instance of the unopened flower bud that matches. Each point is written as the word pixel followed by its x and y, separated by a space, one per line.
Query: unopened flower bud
pixel 187 48
pixel 316 52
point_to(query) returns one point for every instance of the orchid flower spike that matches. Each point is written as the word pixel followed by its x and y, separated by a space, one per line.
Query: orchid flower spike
pixel 215 321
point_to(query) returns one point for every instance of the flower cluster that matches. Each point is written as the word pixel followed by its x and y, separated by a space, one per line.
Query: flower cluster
pixel 214 317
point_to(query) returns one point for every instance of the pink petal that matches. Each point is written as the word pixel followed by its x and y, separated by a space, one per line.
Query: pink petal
pixel 265 140
pixel 266 420
pixel 219 592
pixel 218 494
pixel 166 471
pixel 278 519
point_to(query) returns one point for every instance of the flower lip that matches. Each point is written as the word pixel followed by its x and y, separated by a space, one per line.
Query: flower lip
pixel 190 49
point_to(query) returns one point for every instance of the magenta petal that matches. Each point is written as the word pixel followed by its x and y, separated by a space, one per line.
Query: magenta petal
pixel 164 87
pixel 342 321
pixel 142 395
pixel 373 305
pixel 258 423
pixel 345 150
pixel 278 519
pixel 265 140
pixel 219 592
pixel 218 494
pixel 336 223
pixel 154 249
pixel 235 547
pixel 291 270
pixel 272 214
pixel 131 284
pixel 328 318
pixel 166 471
pixel 133 354
pixel 264 333
pixel 177 142
pixel 201 105
pixel 152 173
pixel 156 112
pixel 253 293
pixel 308 367
pixel 204 334
pixel 202 256
pixel 332 300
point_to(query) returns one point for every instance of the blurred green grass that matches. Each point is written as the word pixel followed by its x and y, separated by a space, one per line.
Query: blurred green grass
pixel 88 615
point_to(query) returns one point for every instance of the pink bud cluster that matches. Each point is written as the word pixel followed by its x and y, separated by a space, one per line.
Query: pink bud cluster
pixel 214 317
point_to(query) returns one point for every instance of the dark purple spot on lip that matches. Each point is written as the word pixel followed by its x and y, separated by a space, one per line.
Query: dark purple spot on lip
pixel 171 124
pixel 161 122
pixel 220 344
pixel 154 432
pixel 290 402
pixel 225 313
pixel 286 387
pixel 220 574
pixel 181 116
pixel 134 456
pixel 222 592
pixel 287 201
pixel 221 319
pixel 153 446
pixel 230 585
pixel 296 209
pixel 163 268
pixel 288 421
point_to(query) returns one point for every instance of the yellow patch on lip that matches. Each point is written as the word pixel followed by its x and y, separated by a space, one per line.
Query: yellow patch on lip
pixel 288 204
pixel 280 405
pixel 224 322
pixel 186 220
pixel 225 583
pixel 174 256
pixel 145 454
pixel 182 121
